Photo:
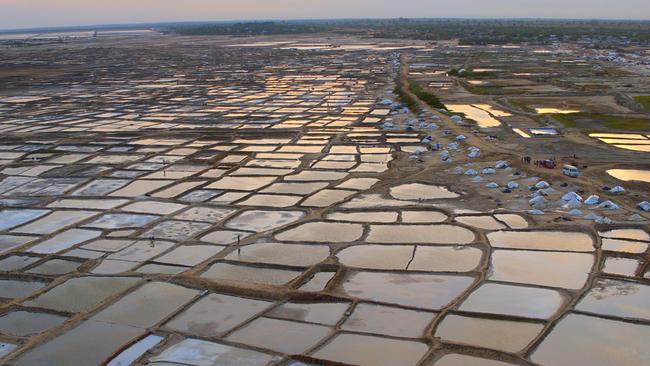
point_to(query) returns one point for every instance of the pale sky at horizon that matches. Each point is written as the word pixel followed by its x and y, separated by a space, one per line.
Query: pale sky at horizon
pixel 49 13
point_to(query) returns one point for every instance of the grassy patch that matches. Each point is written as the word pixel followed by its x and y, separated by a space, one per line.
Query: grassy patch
pixel 521 105
pixel 565 119
pixel 589 121
pixel 471 73
pixel 426 96
pixel 644 100
pixel 407 100
pixel 485 89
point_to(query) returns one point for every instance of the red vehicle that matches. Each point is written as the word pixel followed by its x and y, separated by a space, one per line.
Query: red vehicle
pixel 548 164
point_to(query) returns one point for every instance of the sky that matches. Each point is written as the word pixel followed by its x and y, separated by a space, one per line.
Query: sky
pixel 16 14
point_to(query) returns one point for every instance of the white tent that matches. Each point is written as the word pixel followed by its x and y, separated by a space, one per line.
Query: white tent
pixel 538 202
pixel 609 205
pixel 542 185
pixel 617 189
pixel 592 200
pixel 575 212
pixel 645 206
pixel 574 203
pixel 604 221
pixel 513 185
pixel 571 196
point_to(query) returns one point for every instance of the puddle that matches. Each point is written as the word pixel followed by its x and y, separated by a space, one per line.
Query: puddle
pixel 323 232
pixel 161 269
pixel 482 117
pixel 642 148
pixel 622 299
pixel 318 282
pixel 609 343
pixel 386 320
pixel 9 242
pixel 91 204
pixel 420 234
pixel 176 230
pixel 359 184
pixel 315 175
pixel 26 323
pixel 142 250
pixel 101 187
pixel 99 339
pixel 327 197
pixel 147 305
pixel 88 292
pixel 246 274
pixel 271 200
pixel 423 217
pixel 377 256
pixel 141 187
pixel 10 289
pixel 295 188
pixel 216 314
pixel 463 360
pixel 261 171
pixel 632 234
pixel 513 300
pixel 320 313
pixel 630 175
pixel 122 221
pixel 55 267
pixel 16 262
pixel 200 352
pixel 417 290
pixel 205 214
pixel 408 257
pixel 225 237
pixel 382 217
pixel 281 254
pixel 189 255
pixel 110 266
pixel 417 191
pixel 12 218
pixel 513 221
pixel 153 207
pixel 135 351
pixel 374 201
pixel 296 337
pixel 555 111
pixel 445 259
pixel 363 350
pixel 259 221
pixel 621 266
pixel 513 335
pixel 566 270
pixel 481 222
pixel 64 240
pixel 241 183
pixel 542 240
pixel 625 246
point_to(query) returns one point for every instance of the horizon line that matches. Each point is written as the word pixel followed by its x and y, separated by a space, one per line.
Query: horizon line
pixel 172 22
